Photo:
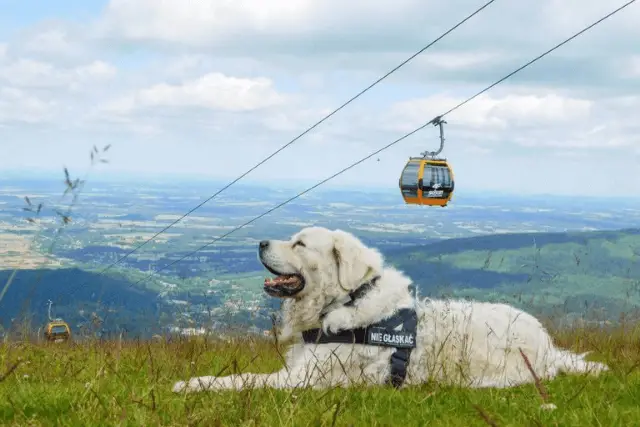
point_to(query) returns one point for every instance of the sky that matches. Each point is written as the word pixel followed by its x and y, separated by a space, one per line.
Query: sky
pixel 207 89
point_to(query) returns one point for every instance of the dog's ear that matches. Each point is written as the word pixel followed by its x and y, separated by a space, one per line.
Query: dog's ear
pixel 356 263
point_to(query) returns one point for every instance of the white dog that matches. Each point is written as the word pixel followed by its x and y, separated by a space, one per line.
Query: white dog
pixel 465 343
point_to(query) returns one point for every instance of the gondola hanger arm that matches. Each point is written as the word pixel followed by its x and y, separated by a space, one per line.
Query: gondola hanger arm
pixel 437 121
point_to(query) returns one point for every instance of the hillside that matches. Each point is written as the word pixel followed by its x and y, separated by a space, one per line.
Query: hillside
pixel 125 307
pixel 553 273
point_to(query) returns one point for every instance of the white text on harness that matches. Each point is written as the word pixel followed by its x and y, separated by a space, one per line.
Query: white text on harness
pixel 399 339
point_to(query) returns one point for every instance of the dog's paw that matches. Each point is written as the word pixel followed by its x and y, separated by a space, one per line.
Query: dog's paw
pixel 179 387
pixel 194 385
pixel 338 320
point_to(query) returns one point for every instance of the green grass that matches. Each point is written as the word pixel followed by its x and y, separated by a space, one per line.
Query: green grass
pixel 128 383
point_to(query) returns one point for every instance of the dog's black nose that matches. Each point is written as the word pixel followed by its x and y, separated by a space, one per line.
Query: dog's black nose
pixel 264 244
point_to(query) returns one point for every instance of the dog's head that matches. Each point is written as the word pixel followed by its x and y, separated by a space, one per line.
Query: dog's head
pixel 317 260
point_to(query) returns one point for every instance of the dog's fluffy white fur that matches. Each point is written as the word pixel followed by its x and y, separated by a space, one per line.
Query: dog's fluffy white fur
pixel 464 343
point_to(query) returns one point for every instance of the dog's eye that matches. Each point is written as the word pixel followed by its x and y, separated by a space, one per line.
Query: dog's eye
pixel 299 243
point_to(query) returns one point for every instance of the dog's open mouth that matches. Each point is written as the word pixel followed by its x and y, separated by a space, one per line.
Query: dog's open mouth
pixel 283 285
pixel 286 285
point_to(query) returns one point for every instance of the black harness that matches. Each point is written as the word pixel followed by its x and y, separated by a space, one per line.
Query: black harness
pixel 398 331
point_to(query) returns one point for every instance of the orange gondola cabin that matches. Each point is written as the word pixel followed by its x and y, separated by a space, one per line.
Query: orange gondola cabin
pixel 428 180
pixel 57 331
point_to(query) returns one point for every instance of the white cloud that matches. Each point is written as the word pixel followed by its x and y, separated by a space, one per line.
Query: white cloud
pixel 51 42
pixel 96 70
pixel 535 120
pixel 631 67
pixel 221 23
pixel 487 112
pixel 195 22
pixel 368 38
pixel 26 73
pixel 212 91
pixel 213 86
pixel 456 61
pixel 55 95
pixel 18 106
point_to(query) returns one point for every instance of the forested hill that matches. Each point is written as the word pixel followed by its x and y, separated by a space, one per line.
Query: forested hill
pixel 596 272
pixel 75 294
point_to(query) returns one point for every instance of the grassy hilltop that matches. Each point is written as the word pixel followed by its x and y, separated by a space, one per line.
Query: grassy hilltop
pixel 128 384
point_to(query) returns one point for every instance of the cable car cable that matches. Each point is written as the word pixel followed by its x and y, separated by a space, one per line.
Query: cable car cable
pixel 402 64
pixel 430 122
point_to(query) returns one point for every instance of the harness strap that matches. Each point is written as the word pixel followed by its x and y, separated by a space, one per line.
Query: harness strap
pixel 405 318
pixel 350 336
pixel 353 296
pixel 361 291
pixel 399 362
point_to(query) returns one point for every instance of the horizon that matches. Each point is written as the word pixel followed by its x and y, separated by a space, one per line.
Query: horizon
pixel 218 182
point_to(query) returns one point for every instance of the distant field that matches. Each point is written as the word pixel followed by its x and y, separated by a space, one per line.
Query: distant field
pixel 16 252
pixel 114 384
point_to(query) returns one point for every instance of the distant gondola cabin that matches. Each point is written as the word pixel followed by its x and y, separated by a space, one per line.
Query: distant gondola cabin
pixel 427 182
pixel 57 331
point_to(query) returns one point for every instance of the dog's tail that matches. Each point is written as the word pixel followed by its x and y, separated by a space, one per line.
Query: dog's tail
pixel 569 362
